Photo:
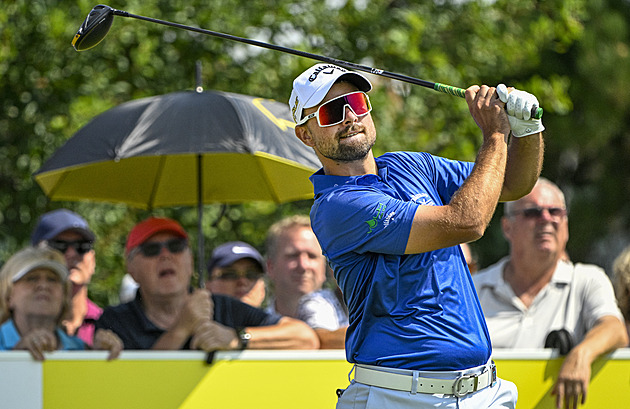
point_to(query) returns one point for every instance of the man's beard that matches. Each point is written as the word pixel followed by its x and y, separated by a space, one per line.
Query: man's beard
pixel 348 152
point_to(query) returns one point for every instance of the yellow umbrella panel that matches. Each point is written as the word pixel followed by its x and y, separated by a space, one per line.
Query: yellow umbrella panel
pixel 172 180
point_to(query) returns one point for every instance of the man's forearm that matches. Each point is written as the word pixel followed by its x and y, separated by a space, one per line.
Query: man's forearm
pixel 608 334
pixel 475 201
pixel 331 339
pixel 289 333
pixel 523 167
pixel 171 340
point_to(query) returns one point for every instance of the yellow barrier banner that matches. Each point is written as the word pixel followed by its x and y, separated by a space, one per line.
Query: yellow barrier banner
pixel 255 379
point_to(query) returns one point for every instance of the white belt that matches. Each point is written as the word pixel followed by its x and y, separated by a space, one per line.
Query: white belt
pixel 461 386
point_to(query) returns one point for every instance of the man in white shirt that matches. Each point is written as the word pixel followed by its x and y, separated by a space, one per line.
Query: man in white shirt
pixel 536 290
pixel 296 268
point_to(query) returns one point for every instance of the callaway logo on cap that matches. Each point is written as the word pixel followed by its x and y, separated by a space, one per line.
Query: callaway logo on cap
pixel 310 87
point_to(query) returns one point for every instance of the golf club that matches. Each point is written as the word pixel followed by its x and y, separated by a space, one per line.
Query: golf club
pixel 98 22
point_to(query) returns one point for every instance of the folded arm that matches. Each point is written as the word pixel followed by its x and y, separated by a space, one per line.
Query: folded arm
pixel 288 333
pixel 501 172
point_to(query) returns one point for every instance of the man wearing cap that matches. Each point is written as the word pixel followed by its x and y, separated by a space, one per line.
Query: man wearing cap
pixel 390 227
pixel 237 269
pixel 69 233
pixel 166 315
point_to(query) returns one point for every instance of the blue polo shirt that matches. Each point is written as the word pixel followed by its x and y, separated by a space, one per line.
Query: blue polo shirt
pixel 9 337
pixel 416 311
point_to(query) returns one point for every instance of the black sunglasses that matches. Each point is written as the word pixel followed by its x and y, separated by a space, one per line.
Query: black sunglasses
pixel 153 248
pixel 235 275
pixel 80 246
pixel 536 212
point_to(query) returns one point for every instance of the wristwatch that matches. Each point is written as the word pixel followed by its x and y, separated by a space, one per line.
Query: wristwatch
pixel 243 337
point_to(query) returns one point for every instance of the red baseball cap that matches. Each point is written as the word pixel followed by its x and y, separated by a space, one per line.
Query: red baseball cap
pixel 151 226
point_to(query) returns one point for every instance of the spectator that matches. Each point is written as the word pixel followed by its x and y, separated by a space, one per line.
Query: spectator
pixel 536 290
pixel 70 234
pixel 166 315
pixel 237 269
pixel 297 270
pixel 34 296
pixel 621 270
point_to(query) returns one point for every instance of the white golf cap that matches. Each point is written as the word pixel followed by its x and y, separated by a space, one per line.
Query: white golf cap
pixel 31 258
pixel 310 87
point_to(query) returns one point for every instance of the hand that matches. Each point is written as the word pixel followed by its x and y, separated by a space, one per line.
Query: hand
pixel 107 340
pixel 211 336
pixel 37 342
pixel 573 380
pixel 487 110
pixel 256 295
pixel 519 108
pixel 197 309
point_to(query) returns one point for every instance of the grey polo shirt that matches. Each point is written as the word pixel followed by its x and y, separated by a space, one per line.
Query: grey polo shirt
pixel 575 298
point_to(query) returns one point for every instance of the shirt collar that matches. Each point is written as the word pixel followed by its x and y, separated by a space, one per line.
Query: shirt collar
pixel 563 273
pixel 138 308
pixel 322 181
pixel 493 278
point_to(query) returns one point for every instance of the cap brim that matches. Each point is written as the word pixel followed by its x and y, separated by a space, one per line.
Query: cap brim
pixel 222 262
pixel 54 266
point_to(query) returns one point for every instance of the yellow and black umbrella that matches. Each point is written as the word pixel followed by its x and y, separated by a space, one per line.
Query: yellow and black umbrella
pixel 184 149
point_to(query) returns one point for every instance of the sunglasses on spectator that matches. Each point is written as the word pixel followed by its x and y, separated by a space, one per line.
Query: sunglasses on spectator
pixel 235 275
pixel 153 248
pixel 333 112
pixel 536 212
pixel 80 246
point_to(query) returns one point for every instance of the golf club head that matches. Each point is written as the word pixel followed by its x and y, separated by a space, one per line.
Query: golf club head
pixel 94 28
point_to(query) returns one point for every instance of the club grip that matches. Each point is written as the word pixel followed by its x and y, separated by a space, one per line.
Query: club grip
pixel 536 112
pixel 449 89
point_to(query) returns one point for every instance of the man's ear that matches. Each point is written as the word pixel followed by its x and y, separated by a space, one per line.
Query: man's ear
pixel 131 268
pixel 303 134
pixel 270 268
pixel 506 227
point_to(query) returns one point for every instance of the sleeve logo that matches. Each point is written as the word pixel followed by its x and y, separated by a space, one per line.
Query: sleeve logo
pixel 380 210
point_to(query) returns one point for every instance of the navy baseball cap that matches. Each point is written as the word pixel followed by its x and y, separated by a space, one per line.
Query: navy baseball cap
pixel 52 223
pixel 228 253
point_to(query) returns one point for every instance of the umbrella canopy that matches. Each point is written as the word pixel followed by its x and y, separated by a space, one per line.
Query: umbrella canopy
pixel 160 151
pixel 184 148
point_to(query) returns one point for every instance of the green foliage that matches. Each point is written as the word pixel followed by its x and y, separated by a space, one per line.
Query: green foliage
pixel 572 54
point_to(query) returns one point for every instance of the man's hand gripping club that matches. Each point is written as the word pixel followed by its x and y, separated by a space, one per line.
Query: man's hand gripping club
pixel 519 105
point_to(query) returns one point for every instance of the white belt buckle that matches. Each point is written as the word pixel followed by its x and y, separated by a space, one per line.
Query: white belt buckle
pixel 459 383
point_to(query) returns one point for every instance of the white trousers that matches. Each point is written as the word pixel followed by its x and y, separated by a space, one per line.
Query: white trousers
pixel 502 395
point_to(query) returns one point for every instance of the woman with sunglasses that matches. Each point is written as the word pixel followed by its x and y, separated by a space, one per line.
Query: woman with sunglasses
pixel 237 269
pixel 34 299
pixel 390 227
pixel 70 234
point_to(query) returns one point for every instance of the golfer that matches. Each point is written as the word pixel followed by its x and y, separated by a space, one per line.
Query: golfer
pixel 390 228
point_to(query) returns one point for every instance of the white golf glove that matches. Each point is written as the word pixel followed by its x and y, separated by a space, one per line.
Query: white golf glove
pixel 519 107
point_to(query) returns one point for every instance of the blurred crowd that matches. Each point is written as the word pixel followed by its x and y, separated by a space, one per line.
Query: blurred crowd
pixel 287 299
